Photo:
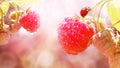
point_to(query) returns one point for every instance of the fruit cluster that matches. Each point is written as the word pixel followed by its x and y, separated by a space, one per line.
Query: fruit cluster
pixel 77 33
pixel 13 17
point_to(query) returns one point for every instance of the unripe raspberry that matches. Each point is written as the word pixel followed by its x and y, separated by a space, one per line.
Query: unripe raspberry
pixel 107 42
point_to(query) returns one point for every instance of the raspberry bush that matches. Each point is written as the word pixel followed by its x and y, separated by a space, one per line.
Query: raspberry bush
pixel 74 34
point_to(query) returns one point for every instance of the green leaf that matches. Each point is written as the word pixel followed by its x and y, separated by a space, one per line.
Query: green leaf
pixel 113 8
pixel 26 2
pixel 4 7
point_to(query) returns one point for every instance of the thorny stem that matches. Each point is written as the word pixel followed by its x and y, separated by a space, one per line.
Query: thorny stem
pixel 101 3
pixel 98 25
pixel 94 14
pixel 95 8
pixel 100 11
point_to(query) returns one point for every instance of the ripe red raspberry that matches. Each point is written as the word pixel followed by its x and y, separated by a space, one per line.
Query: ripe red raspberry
pixel 84 11
pixel 30 21
pixel 74 36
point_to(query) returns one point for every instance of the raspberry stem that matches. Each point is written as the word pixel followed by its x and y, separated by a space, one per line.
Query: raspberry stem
pixel 101 9
pixel 101 4
pixel 98 25
pixel 95 8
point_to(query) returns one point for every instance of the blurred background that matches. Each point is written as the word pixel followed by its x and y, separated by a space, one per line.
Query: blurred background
pixel 41 49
